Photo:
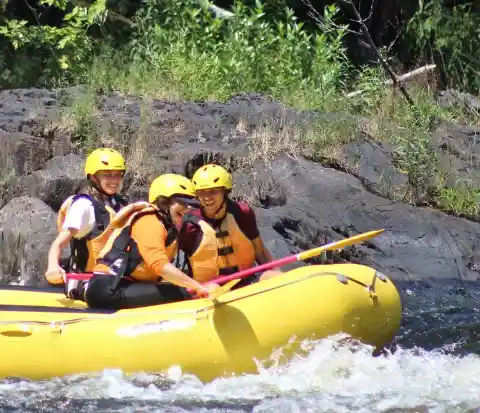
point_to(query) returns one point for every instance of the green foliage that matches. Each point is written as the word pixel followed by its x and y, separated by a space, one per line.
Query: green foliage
pixel 462 199
pixel 69 46
pixel 452 36
pixel 183 43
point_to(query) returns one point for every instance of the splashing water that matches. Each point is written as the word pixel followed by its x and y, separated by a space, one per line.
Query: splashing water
pixel 336 376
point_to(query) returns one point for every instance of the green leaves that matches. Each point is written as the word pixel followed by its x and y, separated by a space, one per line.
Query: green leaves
pixel 71 38
pixel 61 4
pixel 451 35
pixel 16 32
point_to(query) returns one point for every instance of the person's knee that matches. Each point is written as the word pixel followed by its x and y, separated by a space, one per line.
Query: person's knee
pixel 172 293
pixel 100 294
pixel 269 274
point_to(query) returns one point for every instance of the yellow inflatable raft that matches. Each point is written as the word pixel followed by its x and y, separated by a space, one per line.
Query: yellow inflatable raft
pixel 43 334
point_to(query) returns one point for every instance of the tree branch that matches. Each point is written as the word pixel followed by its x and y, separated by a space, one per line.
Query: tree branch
pixel 402 78
pixel 384 63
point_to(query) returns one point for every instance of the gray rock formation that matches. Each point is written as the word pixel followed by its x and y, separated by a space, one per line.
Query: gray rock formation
pixel 27 228
pixel 299 203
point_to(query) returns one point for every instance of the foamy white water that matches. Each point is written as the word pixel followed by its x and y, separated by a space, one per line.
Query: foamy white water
pixel 335 376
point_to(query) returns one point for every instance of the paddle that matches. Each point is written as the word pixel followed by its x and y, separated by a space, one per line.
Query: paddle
pixel 298 257
pixel 277 263
pixel 231 280
pixel 222 290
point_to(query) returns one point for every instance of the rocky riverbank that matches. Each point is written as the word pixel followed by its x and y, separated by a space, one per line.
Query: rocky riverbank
pixel 304 193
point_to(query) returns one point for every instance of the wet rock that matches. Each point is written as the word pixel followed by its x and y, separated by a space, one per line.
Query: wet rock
pixel 60 178
pixel 454 98
pixel 325 205
pixel 458 147
pixel 372 162
pixel 21 154
pixel 27 228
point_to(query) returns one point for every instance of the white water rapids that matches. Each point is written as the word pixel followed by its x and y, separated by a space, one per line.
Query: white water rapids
pixel 334 377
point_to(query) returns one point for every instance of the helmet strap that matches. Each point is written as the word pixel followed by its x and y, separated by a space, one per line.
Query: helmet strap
pixel 168 218
pixel 225 199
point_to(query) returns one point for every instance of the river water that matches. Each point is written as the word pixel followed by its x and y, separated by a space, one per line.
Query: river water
pixel 433 366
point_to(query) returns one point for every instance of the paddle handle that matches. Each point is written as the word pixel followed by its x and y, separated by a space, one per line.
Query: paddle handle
pixel 78 276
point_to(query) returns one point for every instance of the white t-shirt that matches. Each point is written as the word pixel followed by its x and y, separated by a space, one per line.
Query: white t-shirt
pixel 80 216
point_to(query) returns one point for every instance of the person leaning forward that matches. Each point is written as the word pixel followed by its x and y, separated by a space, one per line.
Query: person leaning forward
pixel 139 252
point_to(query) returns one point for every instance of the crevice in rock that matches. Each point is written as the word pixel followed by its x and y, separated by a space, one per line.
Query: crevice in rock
pixel 269 201
pixel 206 157
pixel 285 227
pixel 49 136
pixel 303 237
pixel 348 231
pixel 333 163
pixel 343 231
pixel 259 189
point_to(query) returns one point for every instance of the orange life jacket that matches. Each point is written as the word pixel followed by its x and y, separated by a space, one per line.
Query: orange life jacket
pixel 84 251
pixel 203 262
pixel 224 250
pixel 120 253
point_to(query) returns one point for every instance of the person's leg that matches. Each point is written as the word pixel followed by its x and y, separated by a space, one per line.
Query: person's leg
pixel 140 294
pixel 251 279
pixel 269 274
pixel 129 294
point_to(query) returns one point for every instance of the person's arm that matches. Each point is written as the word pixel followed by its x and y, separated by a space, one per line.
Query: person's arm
pixel 54 273
pixel 262 254
pixel 79 219
pixel 172 274
pixel 152 249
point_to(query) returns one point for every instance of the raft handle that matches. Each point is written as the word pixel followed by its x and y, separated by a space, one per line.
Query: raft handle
pixel 16 330
pixel 380 276
pixel 342 278
pixel 370 288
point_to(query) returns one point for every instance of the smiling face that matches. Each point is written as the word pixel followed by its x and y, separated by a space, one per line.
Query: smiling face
pixel 108 181
pixel 177 210
pixel 211 200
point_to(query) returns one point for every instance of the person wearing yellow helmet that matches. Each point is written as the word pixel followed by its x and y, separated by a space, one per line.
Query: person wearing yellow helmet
pixel 83 219
pixel 238 240
pixel 140 251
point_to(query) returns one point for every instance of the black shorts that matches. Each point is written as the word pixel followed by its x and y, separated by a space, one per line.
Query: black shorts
pixel 130 293
pixel 251 279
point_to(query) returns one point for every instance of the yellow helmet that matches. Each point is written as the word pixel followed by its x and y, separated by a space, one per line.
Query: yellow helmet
pixel 172 185
pixel 212 176
pixel 104 159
